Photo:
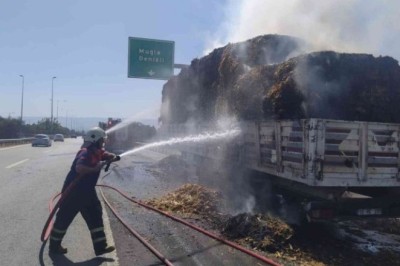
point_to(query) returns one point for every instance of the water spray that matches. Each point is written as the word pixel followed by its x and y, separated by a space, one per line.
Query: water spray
pixel 191 138
pixel 120 125
pixel 128 121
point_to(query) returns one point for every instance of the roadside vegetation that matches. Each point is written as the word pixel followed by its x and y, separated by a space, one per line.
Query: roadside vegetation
pixel 12 128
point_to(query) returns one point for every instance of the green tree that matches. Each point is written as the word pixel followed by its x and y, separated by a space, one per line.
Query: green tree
pixel 11 128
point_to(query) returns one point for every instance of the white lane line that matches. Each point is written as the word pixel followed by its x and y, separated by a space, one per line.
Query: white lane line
pixel 17 163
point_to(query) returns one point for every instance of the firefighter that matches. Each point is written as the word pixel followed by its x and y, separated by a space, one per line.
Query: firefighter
pixel 81 196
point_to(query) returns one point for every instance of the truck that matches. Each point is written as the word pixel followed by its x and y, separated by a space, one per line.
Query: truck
pixel 331 169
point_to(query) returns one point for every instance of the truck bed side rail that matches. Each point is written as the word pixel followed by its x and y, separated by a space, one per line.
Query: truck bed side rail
pixel 320 152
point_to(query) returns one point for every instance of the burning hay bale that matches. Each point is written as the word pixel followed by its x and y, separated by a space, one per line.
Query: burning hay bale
pixel 262 232
pixel 190 201
pixel 267 77
pixel 284 101
pixel 334 85
pixel 200 92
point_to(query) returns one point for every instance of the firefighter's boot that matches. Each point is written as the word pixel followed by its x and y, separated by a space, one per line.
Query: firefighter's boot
pixel 57 249
pixel 56 237
pixel 105 250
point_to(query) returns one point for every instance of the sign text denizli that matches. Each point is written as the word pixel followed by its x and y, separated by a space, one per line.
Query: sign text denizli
pixel 151 59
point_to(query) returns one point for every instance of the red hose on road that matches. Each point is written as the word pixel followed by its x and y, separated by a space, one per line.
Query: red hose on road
pixel 201 230
pixel 136 234
pixel 49 223
pixel 53 209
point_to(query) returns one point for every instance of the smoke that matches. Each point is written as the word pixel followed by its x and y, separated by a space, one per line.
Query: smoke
pixel 358 26
pixel 318 91
pixel 165 111
pixel 353 26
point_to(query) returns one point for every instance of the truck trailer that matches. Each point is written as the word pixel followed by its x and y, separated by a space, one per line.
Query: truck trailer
pixel 346 169
pixel 332 169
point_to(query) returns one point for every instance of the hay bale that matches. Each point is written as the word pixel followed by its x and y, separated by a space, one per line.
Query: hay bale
pixel 257 79
pixel 203 92
pixel 336 86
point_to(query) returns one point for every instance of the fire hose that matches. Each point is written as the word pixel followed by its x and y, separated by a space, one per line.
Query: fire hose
pixel 48 225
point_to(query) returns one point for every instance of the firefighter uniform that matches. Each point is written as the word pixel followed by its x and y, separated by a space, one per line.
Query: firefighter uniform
pixel 82 198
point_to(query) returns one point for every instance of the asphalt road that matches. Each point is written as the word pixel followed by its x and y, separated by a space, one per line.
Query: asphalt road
pixel 138 175
pixel 29 177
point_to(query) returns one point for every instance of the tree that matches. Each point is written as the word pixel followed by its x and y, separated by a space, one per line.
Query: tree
pixel 11 128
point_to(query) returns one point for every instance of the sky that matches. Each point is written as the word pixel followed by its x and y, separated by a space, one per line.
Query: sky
pixel 84 44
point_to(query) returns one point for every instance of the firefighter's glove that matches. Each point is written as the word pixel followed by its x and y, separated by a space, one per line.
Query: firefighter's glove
pixel 110 157
pixel 116 158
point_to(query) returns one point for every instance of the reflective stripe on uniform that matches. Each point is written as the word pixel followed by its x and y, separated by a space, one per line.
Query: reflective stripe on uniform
pixel 98 229
pixel 55 238
pixel 99 240
pixel 59 231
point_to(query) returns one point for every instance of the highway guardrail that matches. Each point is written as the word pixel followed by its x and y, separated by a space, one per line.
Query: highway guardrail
pixel 12 142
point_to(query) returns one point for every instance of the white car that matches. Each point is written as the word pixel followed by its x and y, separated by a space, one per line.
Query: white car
pixel 41 140
pixel 59 137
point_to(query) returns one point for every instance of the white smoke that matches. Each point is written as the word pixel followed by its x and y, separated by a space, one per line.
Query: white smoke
pixel 165 110
pixel 359 26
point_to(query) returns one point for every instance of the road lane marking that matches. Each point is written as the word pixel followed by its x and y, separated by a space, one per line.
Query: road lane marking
pixel 17 163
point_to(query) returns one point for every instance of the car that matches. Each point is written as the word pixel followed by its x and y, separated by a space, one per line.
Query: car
pixel 73 136
pixel 41 140
pixel 59 137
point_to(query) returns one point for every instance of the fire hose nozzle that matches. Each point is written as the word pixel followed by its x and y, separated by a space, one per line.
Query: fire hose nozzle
pixel 117 158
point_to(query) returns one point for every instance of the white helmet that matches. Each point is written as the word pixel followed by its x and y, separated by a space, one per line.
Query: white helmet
pixel 94 134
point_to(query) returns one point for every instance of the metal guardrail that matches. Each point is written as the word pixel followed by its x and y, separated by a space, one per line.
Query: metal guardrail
pixel 12 142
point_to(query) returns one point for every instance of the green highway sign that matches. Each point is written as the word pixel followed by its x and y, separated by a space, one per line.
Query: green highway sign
pixel 150 59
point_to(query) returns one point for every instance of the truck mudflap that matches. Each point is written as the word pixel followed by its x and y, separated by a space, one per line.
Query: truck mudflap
pixel 345 209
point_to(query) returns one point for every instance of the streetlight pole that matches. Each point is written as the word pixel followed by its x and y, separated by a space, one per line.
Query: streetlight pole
pixel 52 95
pixel 22 98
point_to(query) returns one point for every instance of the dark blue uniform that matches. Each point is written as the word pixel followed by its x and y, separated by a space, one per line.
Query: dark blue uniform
pixel 82 197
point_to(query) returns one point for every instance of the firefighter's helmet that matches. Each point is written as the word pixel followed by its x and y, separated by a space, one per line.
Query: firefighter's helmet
pixel 94 134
